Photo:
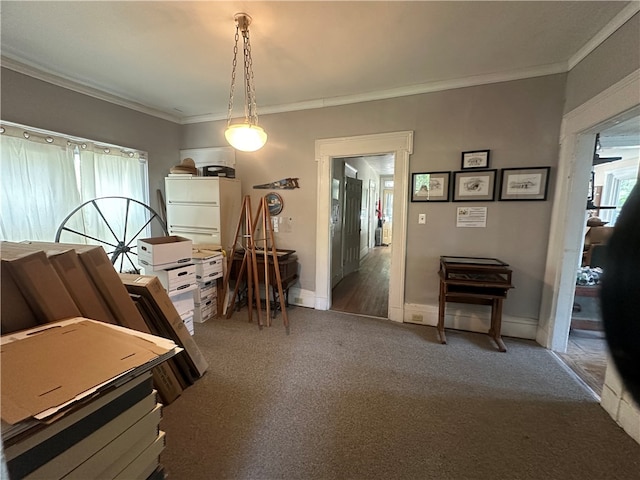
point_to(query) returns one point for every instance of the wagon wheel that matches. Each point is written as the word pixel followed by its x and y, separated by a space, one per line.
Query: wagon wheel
pixel 115 223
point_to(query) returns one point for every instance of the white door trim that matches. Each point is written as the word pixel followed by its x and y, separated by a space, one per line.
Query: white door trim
pixel 563 252
pixel 401 145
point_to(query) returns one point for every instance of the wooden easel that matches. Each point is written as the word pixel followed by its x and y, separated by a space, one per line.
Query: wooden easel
pixel 250 264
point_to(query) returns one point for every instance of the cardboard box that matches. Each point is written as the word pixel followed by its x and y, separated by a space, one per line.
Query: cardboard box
pixel 206 311
pixel 85 448
pixel 107 282
pixel 187 319
pixel 180 364
pixel 176 278
pixel 597 235
pixel 207 262
pixel 184 300
pixel 74 277
pixel 39 283
pixel 205 291
pixel 15 313
pixel 53 437
pixel 161 253
pixel 146 463
pixel 118 453
pixel 151 288
pixel 80 286
pixel 105 278
pixel 47 369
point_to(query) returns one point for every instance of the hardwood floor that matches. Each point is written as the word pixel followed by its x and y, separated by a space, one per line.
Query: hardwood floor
pixel 365 292
pixel 587 356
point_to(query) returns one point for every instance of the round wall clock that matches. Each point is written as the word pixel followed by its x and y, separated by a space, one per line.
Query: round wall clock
pixel 274 203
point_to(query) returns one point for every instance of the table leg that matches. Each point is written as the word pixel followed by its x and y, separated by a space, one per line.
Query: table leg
pixel 496 324
pixel 441 308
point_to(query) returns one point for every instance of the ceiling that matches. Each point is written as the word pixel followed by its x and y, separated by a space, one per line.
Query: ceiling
pixel 173 59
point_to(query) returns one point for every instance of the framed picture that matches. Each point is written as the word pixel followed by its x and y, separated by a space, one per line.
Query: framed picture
pixel 476 186
pixel 524 183
pixel 430 187
pixel 475 159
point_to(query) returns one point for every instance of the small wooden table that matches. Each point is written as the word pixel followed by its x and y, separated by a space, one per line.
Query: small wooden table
pixel 476 280
pixel 288 266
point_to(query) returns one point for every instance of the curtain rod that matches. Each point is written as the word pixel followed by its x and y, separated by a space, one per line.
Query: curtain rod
pixel 50 137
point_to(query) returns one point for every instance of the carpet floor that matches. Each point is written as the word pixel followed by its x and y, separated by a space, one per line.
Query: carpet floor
pixel 350 397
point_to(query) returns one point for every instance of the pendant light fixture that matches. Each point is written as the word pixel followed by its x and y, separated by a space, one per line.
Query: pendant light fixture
pixel 247 136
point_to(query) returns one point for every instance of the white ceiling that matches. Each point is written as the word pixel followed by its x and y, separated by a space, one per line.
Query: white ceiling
pixel 173 59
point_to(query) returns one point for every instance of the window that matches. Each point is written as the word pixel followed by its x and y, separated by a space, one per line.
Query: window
pixel 617 187
pixel 44 176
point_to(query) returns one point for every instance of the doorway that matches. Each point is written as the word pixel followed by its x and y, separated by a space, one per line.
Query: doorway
pixel 615 171
pixel 400 144
pixel 362 287
pixel 579 127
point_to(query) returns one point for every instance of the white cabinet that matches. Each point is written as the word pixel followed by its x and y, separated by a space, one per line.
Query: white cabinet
pixel 204 209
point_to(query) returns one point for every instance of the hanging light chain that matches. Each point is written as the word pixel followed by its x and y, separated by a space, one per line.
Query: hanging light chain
pixel 233 74
pixel 247 136
pixel 251 86
pixel 250 108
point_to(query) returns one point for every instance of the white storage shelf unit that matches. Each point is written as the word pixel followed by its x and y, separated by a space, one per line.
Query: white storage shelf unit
pixel 204 209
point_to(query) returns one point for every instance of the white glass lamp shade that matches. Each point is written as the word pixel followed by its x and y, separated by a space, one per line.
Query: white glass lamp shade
pixel 245 137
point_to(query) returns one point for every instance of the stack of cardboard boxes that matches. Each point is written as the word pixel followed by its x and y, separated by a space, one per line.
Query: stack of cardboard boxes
pixel 209 271
pixel 85 407
pixel 45 282
pixel 169 259
pixel 100 414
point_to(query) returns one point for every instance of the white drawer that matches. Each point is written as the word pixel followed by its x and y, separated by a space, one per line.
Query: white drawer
pixel 195 190
pixel 193 215
pixel 197 235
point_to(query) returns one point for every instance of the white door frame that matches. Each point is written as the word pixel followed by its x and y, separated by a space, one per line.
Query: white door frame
pixel 564 248
pixel 401 145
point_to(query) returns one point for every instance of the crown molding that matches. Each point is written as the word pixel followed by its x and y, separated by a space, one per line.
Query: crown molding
pixel 623 17
pixel 429 87
pixel 64 82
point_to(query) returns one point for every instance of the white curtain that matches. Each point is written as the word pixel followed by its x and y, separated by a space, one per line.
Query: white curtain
pixel 116 214
pixel 38 187
pixel 52 183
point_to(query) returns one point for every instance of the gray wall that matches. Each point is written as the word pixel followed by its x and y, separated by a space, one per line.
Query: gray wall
pixel 519 121
pixel 614 59
pixel 39 104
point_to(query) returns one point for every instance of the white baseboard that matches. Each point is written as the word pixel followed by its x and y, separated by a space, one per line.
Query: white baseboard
pixel 306 298
pixel 473 318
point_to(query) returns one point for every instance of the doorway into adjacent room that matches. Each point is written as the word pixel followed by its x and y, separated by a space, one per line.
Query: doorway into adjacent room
pixel 363 290
pixel 400 146
pixel 614 172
